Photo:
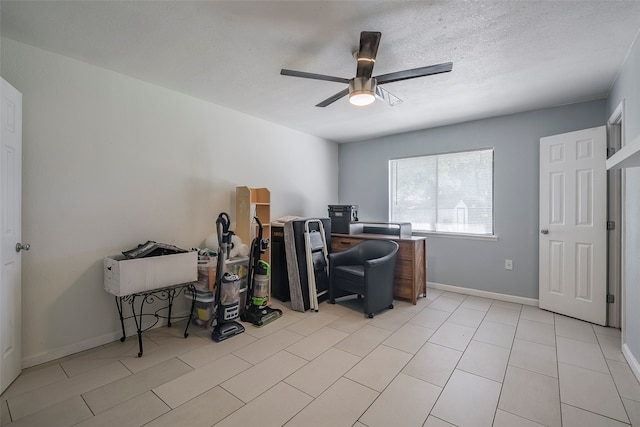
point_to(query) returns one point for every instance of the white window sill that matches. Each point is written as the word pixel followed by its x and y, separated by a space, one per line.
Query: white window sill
pixel 492 237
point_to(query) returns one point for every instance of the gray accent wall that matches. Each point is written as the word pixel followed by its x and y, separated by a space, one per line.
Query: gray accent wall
pixel 627 87
pixel 473 263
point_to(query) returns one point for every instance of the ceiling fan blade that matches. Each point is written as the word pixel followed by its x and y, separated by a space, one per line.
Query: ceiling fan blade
pixel 387 96
pixel 314 76
pixel 369 41
pixel 333 98
pixel 415 72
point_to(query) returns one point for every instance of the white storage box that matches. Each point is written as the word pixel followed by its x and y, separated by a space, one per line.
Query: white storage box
pixel 123 276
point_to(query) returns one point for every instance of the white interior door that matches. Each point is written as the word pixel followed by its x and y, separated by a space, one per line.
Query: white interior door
pixel 573 231
pixel 11 229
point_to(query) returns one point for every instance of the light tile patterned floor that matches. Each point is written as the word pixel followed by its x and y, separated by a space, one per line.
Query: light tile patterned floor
pixel 450 360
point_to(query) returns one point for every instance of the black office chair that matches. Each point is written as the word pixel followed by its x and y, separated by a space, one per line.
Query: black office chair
pixel 367 270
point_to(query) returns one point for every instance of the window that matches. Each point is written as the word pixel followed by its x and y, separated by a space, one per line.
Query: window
pixel 450 193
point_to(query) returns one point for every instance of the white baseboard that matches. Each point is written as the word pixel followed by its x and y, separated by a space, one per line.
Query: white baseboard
pixel 631 360
pixel 57 353
pixel 483 294
pixel 49 355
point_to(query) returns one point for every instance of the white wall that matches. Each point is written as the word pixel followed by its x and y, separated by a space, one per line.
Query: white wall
pixel 110 162
pixel 627 87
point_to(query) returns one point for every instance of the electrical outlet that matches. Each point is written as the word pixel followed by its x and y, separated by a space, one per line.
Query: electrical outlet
pixel 508 264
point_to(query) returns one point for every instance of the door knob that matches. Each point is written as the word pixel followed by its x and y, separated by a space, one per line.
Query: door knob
pixel 20 246
pixel 544 231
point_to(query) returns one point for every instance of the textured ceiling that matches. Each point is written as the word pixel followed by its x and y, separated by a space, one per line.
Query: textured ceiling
pixel 508 56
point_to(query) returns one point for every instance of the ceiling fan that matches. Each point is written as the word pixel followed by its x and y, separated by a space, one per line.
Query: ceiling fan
pixel 363 88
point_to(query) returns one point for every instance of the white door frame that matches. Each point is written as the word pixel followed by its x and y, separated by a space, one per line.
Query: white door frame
pixel 615 141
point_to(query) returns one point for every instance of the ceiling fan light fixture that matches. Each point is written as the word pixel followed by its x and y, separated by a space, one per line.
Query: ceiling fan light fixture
pixel 364 59
pixel 362 91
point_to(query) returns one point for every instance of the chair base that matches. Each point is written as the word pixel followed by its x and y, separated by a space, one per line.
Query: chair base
pixel 370 315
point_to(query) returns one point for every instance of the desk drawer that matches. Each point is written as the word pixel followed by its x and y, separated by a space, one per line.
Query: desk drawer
pixel 339 244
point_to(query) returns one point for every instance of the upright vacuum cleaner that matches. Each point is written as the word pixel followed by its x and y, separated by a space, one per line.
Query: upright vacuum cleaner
pixel 227 287
pixel 256 310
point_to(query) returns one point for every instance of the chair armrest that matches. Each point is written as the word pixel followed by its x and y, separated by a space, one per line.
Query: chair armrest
pixel 350 256
pixel 377 262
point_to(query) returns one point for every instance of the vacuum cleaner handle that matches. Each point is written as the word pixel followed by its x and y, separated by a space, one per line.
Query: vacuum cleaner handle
pixel 259 227
pixel 224 235
pixel 224 221
pixel 261 243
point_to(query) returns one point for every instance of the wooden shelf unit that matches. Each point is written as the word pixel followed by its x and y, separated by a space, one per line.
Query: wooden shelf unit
pixel 253 202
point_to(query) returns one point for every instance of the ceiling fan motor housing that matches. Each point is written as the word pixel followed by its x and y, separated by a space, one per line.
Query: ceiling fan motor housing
pixel 362 90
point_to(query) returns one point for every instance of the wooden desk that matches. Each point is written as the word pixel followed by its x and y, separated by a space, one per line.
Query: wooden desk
pixel 411 264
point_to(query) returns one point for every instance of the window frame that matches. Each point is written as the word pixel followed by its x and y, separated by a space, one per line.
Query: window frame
pixel 454 234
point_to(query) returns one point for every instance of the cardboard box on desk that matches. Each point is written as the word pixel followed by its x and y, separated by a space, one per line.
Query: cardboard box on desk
pixel 124 276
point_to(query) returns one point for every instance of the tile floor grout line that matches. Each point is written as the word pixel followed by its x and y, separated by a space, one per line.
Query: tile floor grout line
pixel 455 367
pixel 495 412
pixel 6 402
pixel 612 377
pixel 399 371
pixel 534 342
pixel 88 406
pixel 555 340
pixel 505 374
pixel 595 413
pixel 520 416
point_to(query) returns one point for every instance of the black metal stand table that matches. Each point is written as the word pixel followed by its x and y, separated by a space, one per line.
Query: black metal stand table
pixel 168 294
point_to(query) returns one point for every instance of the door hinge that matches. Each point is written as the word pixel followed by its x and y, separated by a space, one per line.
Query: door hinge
pixel 611 225
pixel 611 298
pixel 610 152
